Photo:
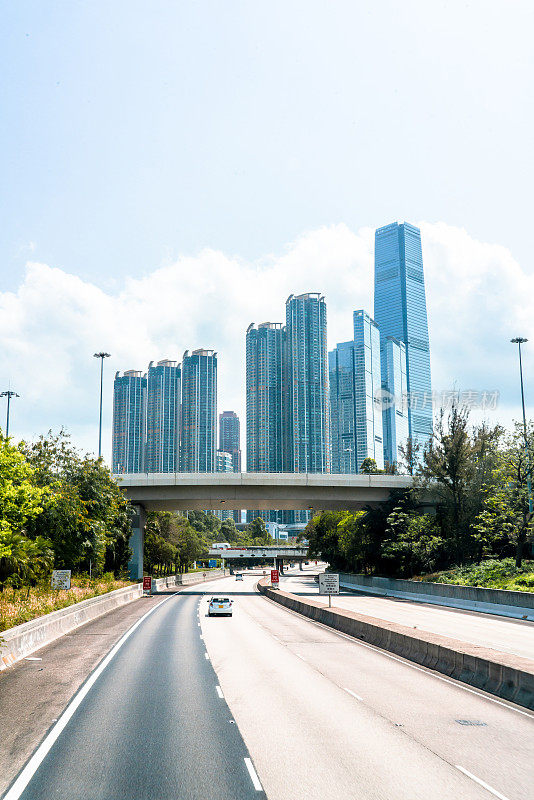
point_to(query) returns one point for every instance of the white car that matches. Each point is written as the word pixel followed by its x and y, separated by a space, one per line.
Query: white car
pixel 238 576
pixel 220 605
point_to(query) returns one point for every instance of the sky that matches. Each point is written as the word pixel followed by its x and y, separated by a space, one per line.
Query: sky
pixel 172 171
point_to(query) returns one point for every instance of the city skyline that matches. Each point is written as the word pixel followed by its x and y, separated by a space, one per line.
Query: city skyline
pixel 337 260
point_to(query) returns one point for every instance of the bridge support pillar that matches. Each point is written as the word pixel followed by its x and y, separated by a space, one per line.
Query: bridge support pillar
pixel 300 564
pixel 135 565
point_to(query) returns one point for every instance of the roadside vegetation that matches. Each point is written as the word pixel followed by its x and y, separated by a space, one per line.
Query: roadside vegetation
pixel 19 606
pixel 478 476
pixel 491 574
pixel 59 509
pixel 173 541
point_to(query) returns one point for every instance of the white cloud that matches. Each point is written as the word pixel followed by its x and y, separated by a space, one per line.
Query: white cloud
pixel 478 298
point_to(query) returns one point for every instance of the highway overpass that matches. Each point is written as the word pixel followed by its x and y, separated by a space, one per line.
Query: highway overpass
pixel 262 491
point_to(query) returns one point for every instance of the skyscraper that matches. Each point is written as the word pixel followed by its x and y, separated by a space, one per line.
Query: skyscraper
pixel 395 398
pixel 199 411
pixel 265 397
pixel 308 430
pixel 400 312
pixel 129 422
pixel 355 409
pixel 229 437
pixel 163 417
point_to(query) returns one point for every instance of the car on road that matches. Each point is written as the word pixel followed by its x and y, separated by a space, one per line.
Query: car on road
pixel 238 576
pixel 221 606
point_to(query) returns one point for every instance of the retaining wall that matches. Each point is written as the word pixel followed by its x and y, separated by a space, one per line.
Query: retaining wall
pixel 472 598
pixel 19 642
pixel 507 676
pixel 183 579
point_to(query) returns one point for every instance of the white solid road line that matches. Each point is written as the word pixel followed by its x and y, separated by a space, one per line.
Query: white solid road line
pixel 44 748
pixel 254 775
pixel 481 783
pixel 219 691
pixel 385 653
pixel 357 696
pixel 301 657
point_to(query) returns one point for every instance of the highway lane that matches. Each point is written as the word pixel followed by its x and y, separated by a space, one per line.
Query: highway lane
pixel 154 724
pixel 488 630
pixel 325 715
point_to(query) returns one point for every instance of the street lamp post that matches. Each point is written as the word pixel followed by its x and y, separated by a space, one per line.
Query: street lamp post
pixel 101 356
pixel 519 341
pixel 9 394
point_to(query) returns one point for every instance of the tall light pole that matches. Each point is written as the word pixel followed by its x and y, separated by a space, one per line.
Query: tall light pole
pixel 101 356
pixel 9 394
pixel 519 341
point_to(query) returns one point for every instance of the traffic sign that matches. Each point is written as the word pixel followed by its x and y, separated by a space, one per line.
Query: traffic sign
pixel 61 579
pixel 329 584
pixel 147 583
pixel 275 577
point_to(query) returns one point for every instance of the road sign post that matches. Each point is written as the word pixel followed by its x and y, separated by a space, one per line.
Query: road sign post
pixel 147 584
pixel 275 578
pixel 61 579
pixel 329 584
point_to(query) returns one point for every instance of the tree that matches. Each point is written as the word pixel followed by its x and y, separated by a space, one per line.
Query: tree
pixel 86 514
pixel 413 543
pixel 20 500
pixel 411 456
pixel 505 517
pixel 449 466
pixel 21 560
pixel 368 467
pixel 257 531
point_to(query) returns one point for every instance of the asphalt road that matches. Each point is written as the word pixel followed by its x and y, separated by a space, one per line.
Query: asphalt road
pixel 324 715
pixel 488 630
pixel 153 724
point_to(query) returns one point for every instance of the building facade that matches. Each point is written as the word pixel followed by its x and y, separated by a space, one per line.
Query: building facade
pixel 400 311
pixel 129 423
pixel 265 397
pixel 355 407
pixel 230 437
pixel 394 399
pixel 199 411
pixel 163 417
pixel 308 420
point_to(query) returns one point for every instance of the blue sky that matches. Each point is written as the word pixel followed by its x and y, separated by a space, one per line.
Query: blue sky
pixel 136 135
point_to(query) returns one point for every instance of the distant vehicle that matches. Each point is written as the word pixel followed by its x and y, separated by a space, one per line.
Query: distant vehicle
pixel 238 576
pixel 221 606
pixel 220 546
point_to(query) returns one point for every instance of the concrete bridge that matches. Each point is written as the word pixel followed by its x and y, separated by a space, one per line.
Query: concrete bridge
pixel 275 554
pixel 262 491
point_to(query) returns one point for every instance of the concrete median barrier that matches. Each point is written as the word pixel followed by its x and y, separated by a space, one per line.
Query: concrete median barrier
pixel 502 602
pixel 21 641
pixel 502 674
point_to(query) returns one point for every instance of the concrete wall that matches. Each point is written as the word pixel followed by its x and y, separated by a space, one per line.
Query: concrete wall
pixel 175 581
pixel 19 642
pixel 507 676
pixel 493 601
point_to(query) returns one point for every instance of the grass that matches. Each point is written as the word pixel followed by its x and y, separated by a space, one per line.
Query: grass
pixel 490 574
pixel 17 607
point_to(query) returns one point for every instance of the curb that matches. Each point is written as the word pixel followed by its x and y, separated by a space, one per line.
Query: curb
pixel 506 676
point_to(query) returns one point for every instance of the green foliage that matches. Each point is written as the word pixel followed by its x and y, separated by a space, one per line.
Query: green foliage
pixel 84 512
pixel 171 542
pixel 23 561
pixel 257 532
pixel 369 467
pixel 490 573
pixel 20 499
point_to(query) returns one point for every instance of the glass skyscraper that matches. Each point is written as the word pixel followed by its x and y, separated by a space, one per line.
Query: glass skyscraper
pixel 308 428
pixel 163 417
pixel 355 409
pixel 395 398
pixel 400 312
pixel 265 397
pixel 199 411
pixel 129 423
pixel 229 437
